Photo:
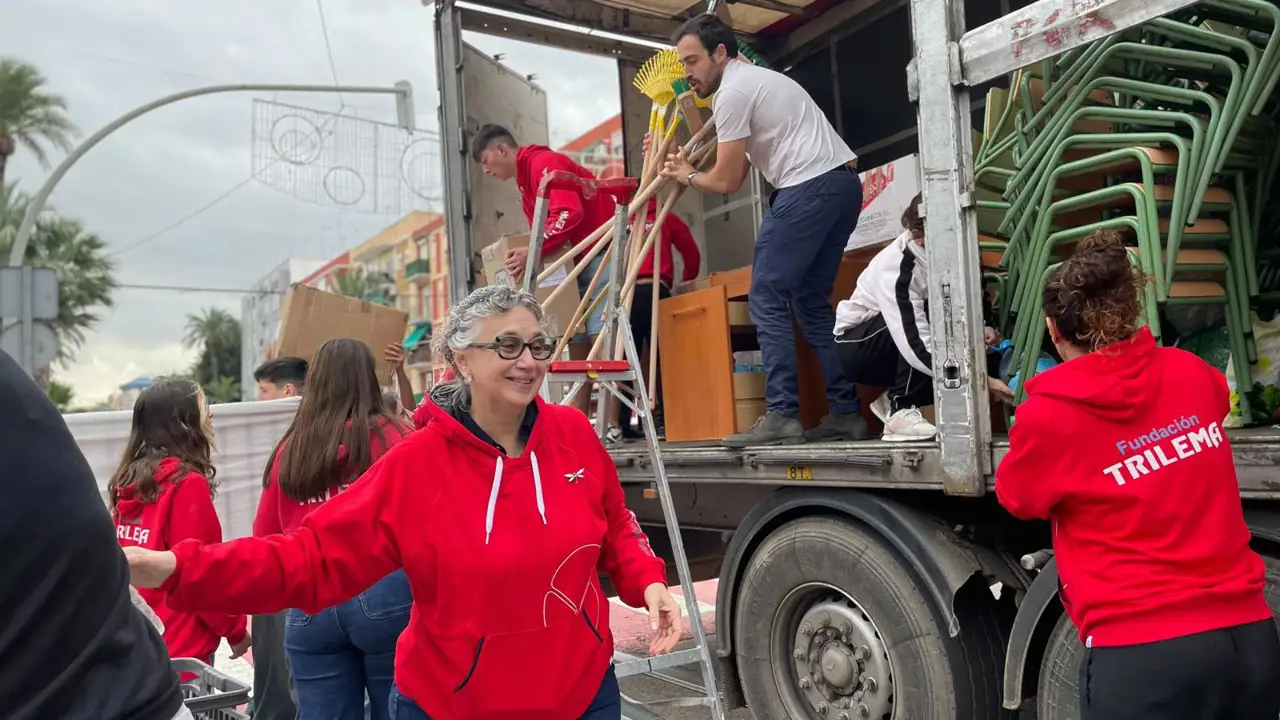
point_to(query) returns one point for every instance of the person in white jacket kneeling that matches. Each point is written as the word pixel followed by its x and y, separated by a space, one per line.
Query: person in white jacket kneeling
pixel 883 337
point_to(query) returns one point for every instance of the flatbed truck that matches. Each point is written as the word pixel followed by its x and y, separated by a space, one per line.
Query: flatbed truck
pixel 856 580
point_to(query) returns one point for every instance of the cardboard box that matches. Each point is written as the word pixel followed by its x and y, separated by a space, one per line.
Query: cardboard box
pixel 558 313
pixel 736 283
pixel 739 314
pixel 311 318
pixel 748 386
pixel 746 412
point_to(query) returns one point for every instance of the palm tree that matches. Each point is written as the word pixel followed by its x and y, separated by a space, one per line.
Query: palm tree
pixel 224 389
pixel 30 117
pixel 354 282
pixel 86 276
pixel 61 395
pixel 212 332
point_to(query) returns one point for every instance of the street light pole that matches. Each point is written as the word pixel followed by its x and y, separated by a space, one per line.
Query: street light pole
pixel 404 116
pixel 404 113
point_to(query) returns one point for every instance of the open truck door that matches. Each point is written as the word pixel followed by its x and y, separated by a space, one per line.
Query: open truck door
pixel 475 90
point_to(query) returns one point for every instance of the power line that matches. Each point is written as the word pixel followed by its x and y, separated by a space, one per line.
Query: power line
pixel 70 50
pixel 197 289
pixel 186 218
pixel 328 49
pixel 327 126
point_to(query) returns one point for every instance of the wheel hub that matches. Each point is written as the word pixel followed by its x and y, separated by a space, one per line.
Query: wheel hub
pixel 841 662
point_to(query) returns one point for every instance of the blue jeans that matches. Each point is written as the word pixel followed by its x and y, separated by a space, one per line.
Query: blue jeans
pixel 606 706
pixel 595 319
pixel 798 251
pixel 345 651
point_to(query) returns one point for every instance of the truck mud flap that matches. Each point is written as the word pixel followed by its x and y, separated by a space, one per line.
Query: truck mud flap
pixel 1042 594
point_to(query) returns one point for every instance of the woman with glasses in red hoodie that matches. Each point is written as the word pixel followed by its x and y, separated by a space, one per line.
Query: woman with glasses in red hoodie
pixel 1149 535
pixel 502 511
pixel 162 494
pixel 338 654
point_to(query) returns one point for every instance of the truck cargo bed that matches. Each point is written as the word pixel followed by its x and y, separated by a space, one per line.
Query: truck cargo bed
pixel 875 463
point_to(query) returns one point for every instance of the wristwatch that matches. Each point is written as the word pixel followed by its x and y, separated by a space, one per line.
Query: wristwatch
pixel 688 180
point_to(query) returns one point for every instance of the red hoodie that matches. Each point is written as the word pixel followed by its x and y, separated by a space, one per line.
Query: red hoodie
pixel 183 510
pixel 502 554
pixel 422 415
pixel 1123 451
pixel 571 218
pixel 674 232
pixel 279 513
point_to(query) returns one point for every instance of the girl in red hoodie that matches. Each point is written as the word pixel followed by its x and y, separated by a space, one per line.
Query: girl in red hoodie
pixel 343 425
pixel 162 494
pixel 1151 544
pixel 503 510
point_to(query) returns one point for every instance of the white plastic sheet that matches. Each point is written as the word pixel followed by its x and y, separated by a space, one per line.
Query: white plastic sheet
pixel 246 433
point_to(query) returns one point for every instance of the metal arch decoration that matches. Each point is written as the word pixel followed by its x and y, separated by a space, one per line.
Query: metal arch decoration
pixel 423 179
pixel 338 177
pixel 339 160
pixel 294 145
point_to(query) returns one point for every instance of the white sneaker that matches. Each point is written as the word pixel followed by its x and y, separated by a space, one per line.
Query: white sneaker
pixel 882 407
pixel 907 425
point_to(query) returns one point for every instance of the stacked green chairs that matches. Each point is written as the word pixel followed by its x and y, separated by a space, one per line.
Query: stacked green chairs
pixel 1169 133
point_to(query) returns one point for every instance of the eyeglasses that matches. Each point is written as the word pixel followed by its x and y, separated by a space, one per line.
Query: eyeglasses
pixel 511 347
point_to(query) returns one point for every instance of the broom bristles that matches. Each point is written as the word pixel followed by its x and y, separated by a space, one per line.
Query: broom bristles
pixel 655 76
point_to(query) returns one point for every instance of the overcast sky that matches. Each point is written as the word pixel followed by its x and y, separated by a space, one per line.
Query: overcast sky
pixel 107 58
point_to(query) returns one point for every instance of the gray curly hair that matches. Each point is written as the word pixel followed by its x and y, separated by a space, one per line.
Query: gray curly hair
pixel 461 329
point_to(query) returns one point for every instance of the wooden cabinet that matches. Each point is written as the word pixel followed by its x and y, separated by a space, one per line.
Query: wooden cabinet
pixel 696 344
pixel 696 359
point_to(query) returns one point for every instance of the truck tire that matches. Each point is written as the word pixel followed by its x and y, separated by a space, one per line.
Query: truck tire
pixel 832 625
pixel 1057 697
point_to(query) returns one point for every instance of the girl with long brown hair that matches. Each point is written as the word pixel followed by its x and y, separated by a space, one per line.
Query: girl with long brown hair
pixel 341 428
pixel 162 493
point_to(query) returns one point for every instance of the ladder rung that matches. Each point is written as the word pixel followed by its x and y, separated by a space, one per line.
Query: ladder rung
pixel 592 377
pixel 640 666
pixel 586 366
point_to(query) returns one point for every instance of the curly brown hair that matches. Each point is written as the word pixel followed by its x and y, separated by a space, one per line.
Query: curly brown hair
pixel 1095 296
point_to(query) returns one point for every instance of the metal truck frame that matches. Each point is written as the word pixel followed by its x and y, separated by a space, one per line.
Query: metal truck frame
pixel 929 539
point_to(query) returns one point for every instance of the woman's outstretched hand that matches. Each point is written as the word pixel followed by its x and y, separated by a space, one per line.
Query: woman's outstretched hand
pixel 664 619
pixel 149 568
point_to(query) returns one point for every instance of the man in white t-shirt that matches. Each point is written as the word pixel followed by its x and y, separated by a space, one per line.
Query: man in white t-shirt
pixel 764 118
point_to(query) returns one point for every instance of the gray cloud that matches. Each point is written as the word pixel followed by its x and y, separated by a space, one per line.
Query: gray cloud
pixel 107 58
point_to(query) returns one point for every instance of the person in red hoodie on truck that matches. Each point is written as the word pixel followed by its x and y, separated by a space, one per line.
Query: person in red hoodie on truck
pixel 162 494
pixel 502 511
pixel 571 218
pixel 1151 544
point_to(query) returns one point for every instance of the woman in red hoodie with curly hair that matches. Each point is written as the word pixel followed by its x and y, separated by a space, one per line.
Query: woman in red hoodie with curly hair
pixel 162 494
pixel 502 511
pixel 1121 448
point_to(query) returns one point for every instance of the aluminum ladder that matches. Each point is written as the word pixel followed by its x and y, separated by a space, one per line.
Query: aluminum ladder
pixel 608 375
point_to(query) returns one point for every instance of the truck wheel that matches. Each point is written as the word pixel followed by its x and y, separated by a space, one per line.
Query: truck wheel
pixel 831 625
pixel 1057 697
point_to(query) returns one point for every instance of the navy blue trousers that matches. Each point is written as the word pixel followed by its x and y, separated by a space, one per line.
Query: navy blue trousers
pixel 798 251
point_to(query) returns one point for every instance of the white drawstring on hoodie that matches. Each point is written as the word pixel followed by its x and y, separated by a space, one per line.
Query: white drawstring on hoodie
pixel 497 486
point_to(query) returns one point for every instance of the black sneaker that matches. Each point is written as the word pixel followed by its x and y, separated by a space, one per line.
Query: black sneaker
pixel 772 428
pixel 834 428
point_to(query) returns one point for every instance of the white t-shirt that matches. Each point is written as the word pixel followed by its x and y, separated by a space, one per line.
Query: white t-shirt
pixel 789 140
